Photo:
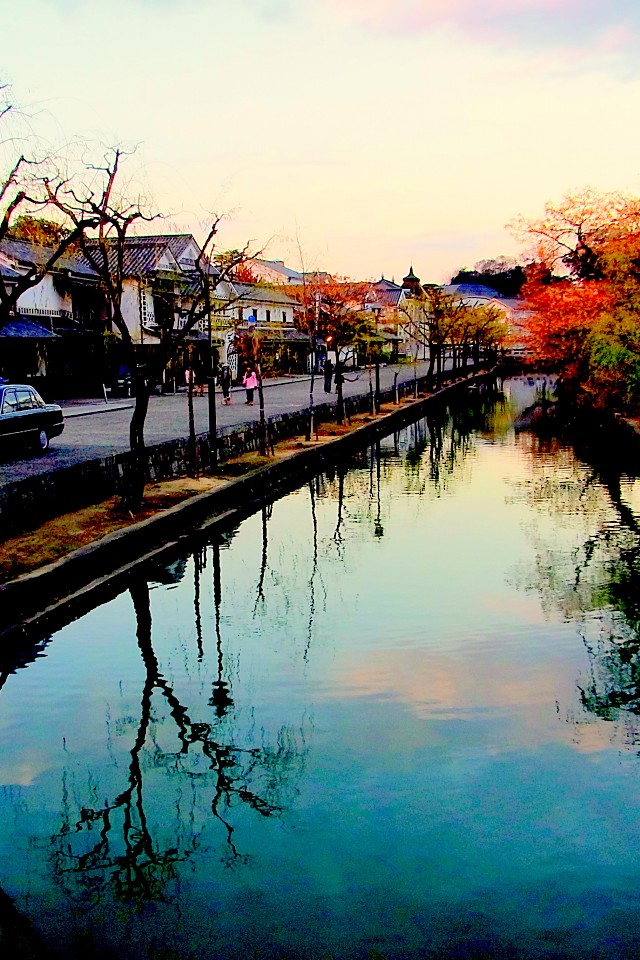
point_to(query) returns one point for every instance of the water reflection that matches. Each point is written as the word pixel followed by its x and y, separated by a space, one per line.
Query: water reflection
pixel 373 720
pixel 593 575
pixel 112 846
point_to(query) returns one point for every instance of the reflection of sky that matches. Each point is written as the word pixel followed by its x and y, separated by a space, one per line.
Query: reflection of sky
pixel 440 769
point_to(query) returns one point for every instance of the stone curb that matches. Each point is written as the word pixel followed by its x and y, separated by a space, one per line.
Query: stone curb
pixel 70 412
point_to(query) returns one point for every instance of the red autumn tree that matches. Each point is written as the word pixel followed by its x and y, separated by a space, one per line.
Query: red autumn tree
pixel 585 319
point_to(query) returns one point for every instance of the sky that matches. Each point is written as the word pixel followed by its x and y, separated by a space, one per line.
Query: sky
pixel 356 136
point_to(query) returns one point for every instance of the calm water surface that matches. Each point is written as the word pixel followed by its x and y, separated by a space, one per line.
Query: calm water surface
pixel 391 716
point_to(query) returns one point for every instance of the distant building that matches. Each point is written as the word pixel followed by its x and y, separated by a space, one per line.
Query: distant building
pixel 276 273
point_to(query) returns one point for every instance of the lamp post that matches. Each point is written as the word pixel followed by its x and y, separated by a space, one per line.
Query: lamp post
pixel 211 397
pixel 377 396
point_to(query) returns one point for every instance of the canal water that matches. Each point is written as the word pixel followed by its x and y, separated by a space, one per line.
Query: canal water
pixel 392 715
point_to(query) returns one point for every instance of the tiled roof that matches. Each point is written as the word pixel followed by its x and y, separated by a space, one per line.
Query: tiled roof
pixel 390 298
pixel 384 284
pixel 23 328
pixel 472 290
pixel 248 291
pixel 143 254
pixel 25 252
pixel 280 268
pixel 140 255
pixel 176 242
pixel 8 272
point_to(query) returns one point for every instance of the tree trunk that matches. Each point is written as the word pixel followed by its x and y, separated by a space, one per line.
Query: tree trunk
pixel 137 473
pixel 311 428
pixel 339 380
pixel 439 365
pixel 192 458
pixel 432 361
pixel 264 439
pixel 213 416
pixel 371 399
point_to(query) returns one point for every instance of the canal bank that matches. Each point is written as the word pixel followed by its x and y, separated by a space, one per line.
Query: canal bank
pixel 71 584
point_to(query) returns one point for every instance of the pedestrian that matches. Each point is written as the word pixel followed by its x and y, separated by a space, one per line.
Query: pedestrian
pixel 190 377
pixel 225 383
pixel 328 375
pixel 250 382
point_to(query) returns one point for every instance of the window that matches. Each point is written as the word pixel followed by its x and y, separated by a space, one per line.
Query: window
pixel 10 403
pixel 268 315
pixel 25 400
pixel 284 316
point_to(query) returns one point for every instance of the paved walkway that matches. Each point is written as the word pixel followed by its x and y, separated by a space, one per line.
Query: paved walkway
pixel 95 429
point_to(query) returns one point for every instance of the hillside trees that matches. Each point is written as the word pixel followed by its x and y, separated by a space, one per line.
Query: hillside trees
pixel 503 274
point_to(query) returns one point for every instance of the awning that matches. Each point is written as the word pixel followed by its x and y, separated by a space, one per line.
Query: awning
pixel 23 329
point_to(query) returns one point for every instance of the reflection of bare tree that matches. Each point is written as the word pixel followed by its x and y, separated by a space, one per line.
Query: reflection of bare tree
pixel 435 424
pixel 125 856
pixel 267 510
pixel 221 691
pixel 378 529
pixel 199 563
pixel 337 536
pixel 314 570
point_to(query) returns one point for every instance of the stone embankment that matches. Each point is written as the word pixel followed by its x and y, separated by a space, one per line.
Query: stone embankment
pixel 61 590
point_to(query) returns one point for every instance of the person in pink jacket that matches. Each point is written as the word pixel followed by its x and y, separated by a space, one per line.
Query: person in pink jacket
pixel 250 382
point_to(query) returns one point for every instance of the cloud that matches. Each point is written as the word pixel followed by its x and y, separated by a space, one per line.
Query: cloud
pixel 607 26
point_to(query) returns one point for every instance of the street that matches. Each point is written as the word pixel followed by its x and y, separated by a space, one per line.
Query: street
pixel 90 435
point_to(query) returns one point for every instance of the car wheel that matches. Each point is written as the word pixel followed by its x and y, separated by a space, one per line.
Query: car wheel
pixel 43 441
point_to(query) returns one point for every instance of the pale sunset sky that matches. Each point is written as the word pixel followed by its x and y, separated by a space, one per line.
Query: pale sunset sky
pixel 379 133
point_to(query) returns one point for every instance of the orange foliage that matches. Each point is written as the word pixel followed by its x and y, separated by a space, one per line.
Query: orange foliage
pixel 244 274
pixel 573 232
pixel 558 315
pixel 332 300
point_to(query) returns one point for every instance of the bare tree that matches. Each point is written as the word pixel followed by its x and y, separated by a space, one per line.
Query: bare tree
pixel 116 215
pixel 21 192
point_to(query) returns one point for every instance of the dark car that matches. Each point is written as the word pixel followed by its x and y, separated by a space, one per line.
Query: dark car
pixel 26 418
pixel 122 383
